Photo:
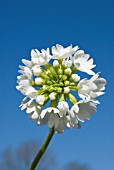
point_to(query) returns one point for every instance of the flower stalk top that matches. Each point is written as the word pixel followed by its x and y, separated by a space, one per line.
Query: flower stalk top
pixel 50 84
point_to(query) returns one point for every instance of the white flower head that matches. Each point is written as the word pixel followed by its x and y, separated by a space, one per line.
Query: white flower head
pixel 53 79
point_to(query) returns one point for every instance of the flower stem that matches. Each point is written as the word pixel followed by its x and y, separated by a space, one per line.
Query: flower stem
pixel 42 149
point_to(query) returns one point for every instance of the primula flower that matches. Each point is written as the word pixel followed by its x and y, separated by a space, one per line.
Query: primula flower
pixel 50 81
pixel 80 60
pixel 57 117
pixel 82 110
pixel 59 51
pixel 90 89
pixel 40 58
pixel 53 78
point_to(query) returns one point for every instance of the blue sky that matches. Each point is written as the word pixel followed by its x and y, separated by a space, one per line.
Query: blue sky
pixel 40 24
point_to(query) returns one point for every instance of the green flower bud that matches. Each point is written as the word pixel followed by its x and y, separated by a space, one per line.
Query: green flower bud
pixel 60 71
pixel 66 83
pixel 49 82
pixel 64 77
pixel 50 88
pixel 61 84
pixel 71 98
pixel 62 97
pixel 60 76
pixel 52 96
pixel 59 90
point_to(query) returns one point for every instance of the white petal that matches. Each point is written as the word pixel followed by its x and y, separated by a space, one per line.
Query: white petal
pixel 35 115
pixel 27 63
pixel 63 108
pixel 85 109
pixel 61 126
pixel 43 113
pixel 78 53
pixel 30 109
pixel 56 121
pixel 51 121
pixel 31 92
pixel 74 49
pixel 36 70
pixel 74 109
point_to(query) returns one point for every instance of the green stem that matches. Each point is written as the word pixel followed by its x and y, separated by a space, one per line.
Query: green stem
pixel 42 149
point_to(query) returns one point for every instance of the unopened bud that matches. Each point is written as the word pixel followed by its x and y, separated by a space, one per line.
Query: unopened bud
pixel 49 82
pixel 63 107
pixel 60 71
pixel 55 63
pixel 68 71
pixel 66 83
pixel 38 81
pixel 50 88
pixel 67 63
pixel 44 87
pixel 64 77
pixel 40 99
pixel 66 89
pixel 75 77
pixel 52 96
pixel 72 98
pixel 61 84
pixel 59 90
pixel 36 70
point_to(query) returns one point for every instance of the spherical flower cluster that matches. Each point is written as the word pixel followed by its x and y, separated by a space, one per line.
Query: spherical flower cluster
pixel 50 81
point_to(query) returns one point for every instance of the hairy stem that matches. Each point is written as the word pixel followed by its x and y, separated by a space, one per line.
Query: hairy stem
pixel 42 150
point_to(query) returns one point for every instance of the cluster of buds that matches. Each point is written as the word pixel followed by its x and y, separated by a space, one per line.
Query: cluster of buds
pixel 50 82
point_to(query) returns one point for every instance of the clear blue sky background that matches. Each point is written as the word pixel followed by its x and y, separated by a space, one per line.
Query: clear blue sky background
pixel 28 24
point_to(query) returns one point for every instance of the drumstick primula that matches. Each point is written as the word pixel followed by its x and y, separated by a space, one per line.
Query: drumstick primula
pixel 49 81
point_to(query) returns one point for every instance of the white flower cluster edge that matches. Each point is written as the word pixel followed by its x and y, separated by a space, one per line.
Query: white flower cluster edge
pixel 60 116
